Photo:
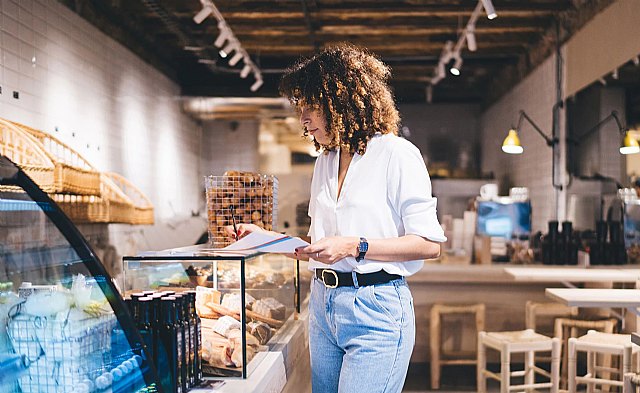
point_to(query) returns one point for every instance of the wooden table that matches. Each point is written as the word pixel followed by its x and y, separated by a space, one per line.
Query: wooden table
pixel 567 276
pixel 609 298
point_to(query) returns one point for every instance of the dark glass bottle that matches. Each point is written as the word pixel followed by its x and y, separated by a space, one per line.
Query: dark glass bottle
pixel 196 334
pixel 569 246
pixel 550 245
pixel 183 330
pixel 143 323
pixel 169 356
pixel 617 249
pixel 597 249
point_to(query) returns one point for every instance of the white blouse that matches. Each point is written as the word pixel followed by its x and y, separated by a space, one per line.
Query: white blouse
pixel 386 194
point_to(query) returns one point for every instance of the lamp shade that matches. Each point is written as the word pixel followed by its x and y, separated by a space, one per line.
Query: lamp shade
pixel 512 144
pixel 629 145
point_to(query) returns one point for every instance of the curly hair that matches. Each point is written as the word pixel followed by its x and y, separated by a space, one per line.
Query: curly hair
pixel 349 86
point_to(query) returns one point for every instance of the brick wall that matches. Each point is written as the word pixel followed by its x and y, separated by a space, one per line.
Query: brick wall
pixel 117 111
pixel 536 96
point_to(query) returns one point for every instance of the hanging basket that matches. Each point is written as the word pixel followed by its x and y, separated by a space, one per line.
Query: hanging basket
pixel 26 152
pixel 113 206
pixel 72 173
pixel 143 208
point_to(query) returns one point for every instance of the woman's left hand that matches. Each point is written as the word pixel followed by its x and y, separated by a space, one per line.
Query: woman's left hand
pixel 330 250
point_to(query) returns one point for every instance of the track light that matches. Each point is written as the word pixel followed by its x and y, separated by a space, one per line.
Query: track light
pixel 245 71
pixel 457 65
pixel 471 39
pixel 235 59
pixel 222 37
pixel 226 51
pixel 614 74
pixel 488 8
pixel 202 15
pixel 636 60
pixel 257 83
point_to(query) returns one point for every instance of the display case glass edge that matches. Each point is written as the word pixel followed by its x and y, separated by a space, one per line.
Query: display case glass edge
pixel 11 175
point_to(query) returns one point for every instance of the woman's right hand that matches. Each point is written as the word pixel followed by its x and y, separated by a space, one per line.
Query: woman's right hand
pixel 243 230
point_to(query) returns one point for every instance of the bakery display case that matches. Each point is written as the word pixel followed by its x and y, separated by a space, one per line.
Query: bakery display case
pixel 63 326
pixel 242 299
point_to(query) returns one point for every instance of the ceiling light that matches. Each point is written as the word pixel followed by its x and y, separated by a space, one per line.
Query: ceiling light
pixel 223 36
pixel 636 60
pixel 235 59
pixel 202 15
pixel 245 71
pixel 511 143
pixel 257 83
pixel 471 39
pixel 457 65
pixel 602 81
pixel 614 74
pixel 488 8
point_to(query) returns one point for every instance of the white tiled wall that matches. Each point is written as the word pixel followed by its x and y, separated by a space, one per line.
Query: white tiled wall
pixel 536 96
pixel 111 106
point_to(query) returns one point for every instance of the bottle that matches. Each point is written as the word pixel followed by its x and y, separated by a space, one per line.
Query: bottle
pixel 568 246
pixel 617 250
pixel 195 325
pixel 550 244
pixel 155 319
pixel 183 331
pixel 143 323
pixel 597 254
pixel 169 356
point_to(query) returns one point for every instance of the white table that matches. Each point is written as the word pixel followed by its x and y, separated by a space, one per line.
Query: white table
pixel 608 298
pixel 567 276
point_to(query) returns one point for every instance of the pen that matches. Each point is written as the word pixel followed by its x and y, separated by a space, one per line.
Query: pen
pixel 233 218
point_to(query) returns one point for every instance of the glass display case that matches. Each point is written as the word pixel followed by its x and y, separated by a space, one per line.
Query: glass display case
pixel 243 299
pixel 63 326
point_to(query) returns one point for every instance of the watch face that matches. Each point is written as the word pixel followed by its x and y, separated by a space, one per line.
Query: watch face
pixel 363 246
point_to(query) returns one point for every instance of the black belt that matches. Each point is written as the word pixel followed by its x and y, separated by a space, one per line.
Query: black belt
pixel 333 279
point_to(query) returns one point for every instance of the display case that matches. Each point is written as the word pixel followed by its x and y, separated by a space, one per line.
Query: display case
pixel 63 325
pixel 243 299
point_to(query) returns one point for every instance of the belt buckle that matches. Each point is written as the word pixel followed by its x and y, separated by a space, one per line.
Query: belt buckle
pixel 334 275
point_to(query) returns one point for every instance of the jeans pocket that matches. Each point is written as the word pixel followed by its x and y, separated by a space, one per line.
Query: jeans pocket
pixel 387 299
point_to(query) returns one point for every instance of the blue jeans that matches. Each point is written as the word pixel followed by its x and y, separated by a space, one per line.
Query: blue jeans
pixel 360 339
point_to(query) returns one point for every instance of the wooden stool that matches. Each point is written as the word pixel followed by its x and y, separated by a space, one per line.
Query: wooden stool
pixel 524 341
pixel 439 357
pixel 594 343
pixel 566 328
pixel 533 310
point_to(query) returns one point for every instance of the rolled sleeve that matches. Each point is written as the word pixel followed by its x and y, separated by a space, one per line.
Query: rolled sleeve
pixel 409 190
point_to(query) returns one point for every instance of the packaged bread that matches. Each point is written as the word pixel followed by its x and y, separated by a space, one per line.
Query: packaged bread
pixel 206 295
pixel 259 330
pixel 233 301
pixel 269 307
pixel 225 324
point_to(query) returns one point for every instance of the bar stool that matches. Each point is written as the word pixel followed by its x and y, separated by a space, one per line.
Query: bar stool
pixel 594 343
pixel 533 310
pixel 523 341
pixel 566 328
pixel 439 357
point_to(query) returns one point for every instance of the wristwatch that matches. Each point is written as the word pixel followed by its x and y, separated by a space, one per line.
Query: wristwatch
pixel 363 247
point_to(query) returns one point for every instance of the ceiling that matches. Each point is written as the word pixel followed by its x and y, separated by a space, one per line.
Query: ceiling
pixel 408 35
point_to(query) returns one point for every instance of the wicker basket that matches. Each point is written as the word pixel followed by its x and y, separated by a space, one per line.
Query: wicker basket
pixel 73 174
pixel 112 206
pixel 27 152
pixel 142 206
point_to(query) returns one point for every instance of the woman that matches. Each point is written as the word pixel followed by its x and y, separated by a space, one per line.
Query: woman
pixel 373 221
